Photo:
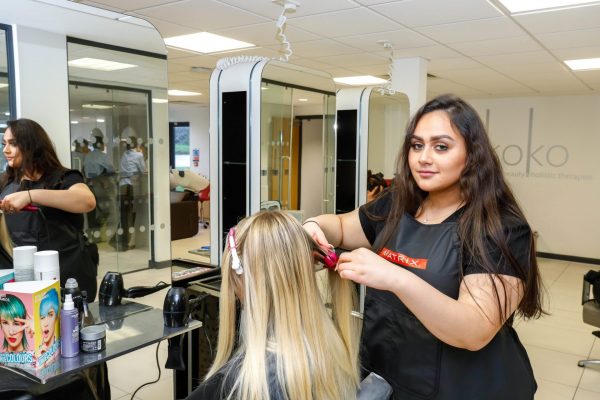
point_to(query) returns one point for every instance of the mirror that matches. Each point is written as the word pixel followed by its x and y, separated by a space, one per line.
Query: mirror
pixel 388 116
pixel 272 142
pixel 111 136
pixel 101 90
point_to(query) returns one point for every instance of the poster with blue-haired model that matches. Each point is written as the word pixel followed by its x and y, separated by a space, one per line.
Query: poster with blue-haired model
pixel 29 334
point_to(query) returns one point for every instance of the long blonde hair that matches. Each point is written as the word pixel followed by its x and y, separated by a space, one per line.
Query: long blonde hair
pixel 284 317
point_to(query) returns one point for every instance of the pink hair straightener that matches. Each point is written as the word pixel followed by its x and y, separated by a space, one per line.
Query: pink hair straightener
pixel 327 257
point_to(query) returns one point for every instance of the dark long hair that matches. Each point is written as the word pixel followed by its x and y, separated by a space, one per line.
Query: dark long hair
pixel 37 152
pixel 488 201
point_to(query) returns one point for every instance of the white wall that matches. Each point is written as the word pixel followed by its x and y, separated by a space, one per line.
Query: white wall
pixel 311 179
pixel 198 117
pixel 553 167
pixel 42 89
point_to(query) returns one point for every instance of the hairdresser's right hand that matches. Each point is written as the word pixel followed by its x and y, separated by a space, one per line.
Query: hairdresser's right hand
pixel 314 230
pixel 14 202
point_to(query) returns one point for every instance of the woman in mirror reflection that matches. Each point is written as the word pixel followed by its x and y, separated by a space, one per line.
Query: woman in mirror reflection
pixel 288 346
pixel 35 176
pixel 448 259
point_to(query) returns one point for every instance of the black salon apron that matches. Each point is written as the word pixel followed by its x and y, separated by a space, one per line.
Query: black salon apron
pixel 398 347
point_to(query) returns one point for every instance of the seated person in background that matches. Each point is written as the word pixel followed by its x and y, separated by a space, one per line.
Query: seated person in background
pixel 188 180
pixel 375 184
pixel 288 346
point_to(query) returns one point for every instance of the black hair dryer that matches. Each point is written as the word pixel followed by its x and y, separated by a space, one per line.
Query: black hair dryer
pixel 112 289
pixel 176 311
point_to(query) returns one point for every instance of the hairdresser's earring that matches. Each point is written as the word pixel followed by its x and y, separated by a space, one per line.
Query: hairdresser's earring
pixel 236 264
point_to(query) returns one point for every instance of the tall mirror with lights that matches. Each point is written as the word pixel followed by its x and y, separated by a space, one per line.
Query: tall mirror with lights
pixel 272 143
pixel 112 94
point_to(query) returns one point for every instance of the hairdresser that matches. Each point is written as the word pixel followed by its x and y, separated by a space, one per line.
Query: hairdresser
pixel 448 260
pixel 34 175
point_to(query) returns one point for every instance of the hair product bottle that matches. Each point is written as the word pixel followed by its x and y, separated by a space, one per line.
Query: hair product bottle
pixel 69 328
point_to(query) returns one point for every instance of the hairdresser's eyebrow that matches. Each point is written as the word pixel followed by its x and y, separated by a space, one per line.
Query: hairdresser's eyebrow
pixel 433 138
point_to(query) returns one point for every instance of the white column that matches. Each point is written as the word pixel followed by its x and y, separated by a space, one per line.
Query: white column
pixel 410 77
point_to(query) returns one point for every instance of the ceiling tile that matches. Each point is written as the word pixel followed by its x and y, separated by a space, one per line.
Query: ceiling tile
pixel 345 23
pixel 106 5
pixel 427 52
pixel 513 44
pixel 127 5
pixel 445 64
pixel 321 48
pixel 350 60
pixel 203 15
pixel 516 58
pixel 563 20
pixel 166 29
pixel 266 34
pixel 401 38
pixel 483 78
pixel 577 52
pixel 579 38
pixel 590 77
pixel 188 76
pixel 483 29
pixel 413 13
pixel 307 7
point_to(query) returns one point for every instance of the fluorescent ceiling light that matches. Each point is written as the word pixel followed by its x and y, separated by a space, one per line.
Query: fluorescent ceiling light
pixel 204 42
pixel 97 106
pixel 302 99
pixel 3 126
pixel 99 120
pixel 175 92
pixel 159 101
pixel 3 85
pixel 528 6
pixel 74 122
pixel 360 80
pixel 7 114
pixel 583 64
pixel 98 64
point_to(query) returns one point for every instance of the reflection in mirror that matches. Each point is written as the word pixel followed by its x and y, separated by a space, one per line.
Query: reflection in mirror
pixel 111 95
pixel 295 150
pixel 388 117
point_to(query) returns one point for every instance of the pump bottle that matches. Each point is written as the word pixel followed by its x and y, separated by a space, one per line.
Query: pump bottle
pixel 69 328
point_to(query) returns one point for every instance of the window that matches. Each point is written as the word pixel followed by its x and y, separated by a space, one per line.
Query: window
pixel 179 137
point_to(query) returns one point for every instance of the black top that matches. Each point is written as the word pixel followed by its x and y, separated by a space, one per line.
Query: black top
pixel 218 386
pixel 26 228
pixel 518 233
pixel 398 347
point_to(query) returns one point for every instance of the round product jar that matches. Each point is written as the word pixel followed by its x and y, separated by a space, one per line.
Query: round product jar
pixel 93 338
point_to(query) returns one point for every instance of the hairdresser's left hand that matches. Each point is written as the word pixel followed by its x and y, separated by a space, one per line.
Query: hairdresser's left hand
pixel 14 202
pixel 367 268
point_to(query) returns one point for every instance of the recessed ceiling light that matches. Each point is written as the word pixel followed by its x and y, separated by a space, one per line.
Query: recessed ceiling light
pixel 159 101
pixel 360 80
pixel 100 120
pixel 7 114
pixel 3 126
pixel 74 122
pixel 583 64
pixel 531 6
pixel 97 106
pixel 3 85
pixel 98 64
pixel 302 99
pixel 175 92
pixel 204 42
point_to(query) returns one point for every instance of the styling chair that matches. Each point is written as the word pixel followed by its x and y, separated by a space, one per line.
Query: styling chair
pixel 591 307
pixel 203 197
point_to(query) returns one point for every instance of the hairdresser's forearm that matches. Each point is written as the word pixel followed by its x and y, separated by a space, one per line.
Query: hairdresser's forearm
pixel 342 230
pixel 77 199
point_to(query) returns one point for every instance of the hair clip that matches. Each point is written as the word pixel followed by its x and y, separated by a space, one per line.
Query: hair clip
pixel 236 263
pixel 328 257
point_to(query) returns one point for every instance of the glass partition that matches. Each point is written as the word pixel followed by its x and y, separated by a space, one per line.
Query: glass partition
pixel 111 136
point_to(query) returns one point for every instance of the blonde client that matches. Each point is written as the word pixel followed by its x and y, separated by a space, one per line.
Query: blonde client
pixel 289 346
